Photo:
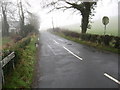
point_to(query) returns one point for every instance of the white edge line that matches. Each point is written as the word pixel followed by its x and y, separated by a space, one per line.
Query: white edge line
pixel 72 53
pixel 110 77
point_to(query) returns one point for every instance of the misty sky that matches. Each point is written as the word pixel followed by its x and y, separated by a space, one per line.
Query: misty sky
pixel 104 8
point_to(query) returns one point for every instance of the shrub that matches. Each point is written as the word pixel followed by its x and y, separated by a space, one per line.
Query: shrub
pixel 18 49
pixel 5 52
pixel 117 42
pixel 24 43
pixel 106 40
pixel 93 38
pixel 17 38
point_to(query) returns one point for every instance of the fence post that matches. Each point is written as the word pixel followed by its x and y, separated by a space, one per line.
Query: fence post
pixel 1 76
pixel 3 79
pixel 2 64
pixel 13 65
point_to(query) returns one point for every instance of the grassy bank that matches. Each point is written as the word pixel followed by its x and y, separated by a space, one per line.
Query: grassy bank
pixel 5 42
pixel 21 77
pixel 97 46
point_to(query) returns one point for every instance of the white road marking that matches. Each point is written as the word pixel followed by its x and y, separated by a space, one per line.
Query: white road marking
pixel 51 49
pixel 72 53
pixel 110 77
pixel 56 42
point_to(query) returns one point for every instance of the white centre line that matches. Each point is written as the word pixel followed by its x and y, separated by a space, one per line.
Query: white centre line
pixel 56 42
pixel 110 77
pixel 72 53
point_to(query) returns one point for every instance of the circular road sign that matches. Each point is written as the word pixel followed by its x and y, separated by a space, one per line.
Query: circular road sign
pixel 105 20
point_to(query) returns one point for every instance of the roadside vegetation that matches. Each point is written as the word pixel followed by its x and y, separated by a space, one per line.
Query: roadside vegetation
pixel 25 59
pixel 19 34
pixel 5 40
pixel 97 27
pixel 101 42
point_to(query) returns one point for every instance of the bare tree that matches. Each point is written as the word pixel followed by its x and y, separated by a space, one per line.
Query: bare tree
pixel 5 25
pixel 34 20
pixel 23 8
pixel 85 8
pixel 13 11
pixel 9 14
pixel 21 16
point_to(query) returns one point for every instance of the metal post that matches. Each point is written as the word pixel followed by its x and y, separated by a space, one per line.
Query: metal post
pixel 105 30
pixel 3 79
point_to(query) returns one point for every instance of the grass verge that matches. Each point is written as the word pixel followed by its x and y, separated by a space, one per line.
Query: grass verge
pixel 5 40
pixel 95 45
pixel 22 76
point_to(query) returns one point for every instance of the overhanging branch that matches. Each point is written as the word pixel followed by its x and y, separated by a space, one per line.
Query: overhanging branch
pixel 63 7
pixel 79 7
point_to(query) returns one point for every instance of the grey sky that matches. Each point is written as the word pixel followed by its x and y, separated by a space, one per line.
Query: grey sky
pixel 104 8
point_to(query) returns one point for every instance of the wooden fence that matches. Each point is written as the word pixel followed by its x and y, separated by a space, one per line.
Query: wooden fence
pixel 3 63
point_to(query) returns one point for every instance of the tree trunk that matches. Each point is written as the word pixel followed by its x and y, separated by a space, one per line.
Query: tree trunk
pixel 21 14
pixel 85 21
pixel 5 25
pixel 22 27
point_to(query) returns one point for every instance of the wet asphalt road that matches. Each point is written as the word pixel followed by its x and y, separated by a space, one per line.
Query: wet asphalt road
pixel 66 64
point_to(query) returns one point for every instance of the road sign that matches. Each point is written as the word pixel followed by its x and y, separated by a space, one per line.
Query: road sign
pixel 105 21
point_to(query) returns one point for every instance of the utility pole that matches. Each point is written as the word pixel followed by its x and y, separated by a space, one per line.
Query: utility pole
pixel 0 52
pixel 52 24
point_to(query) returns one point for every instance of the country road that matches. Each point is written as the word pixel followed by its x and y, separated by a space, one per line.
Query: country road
pixel 66 64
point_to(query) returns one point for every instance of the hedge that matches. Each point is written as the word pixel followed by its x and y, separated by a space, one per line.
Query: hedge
pixel 107 40
pixel 112 41
pixel 17 48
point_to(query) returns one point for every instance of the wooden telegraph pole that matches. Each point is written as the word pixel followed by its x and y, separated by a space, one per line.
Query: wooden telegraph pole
pixel 52 23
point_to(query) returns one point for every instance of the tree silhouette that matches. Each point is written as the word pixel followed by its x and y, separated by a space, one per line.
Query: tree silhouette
pixel 5 25
pixel 85 8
